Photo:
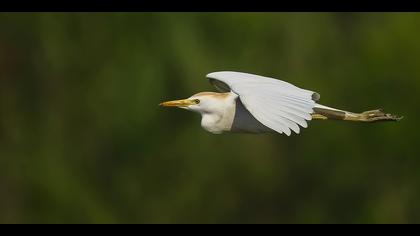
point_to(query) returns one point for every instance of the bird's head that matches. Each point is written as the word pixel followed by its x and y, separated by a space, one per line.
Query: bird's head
pixel 204 102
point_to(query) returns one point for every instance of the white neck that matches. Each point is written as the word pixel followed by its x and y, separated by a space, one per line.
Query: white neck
pixel 221 120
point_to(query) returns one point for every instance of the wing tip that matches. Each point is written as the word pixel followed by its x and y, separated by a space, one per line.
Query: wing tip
pixel 316 96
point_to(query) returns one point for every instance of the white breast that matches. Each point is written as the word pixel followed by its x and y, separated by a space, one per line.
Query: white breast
pixel 221 120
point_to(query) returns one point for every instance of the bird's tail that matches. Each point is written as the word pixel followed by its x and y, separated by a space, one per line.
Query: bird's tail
pixel 327 113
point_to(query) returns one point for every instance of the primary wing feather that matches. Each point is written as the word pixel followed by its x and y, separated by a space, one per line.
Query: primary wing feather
pixel 279 105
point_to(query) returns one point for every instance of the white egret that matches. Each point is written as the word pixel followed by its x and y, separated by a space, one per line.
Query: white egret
pixel 256 104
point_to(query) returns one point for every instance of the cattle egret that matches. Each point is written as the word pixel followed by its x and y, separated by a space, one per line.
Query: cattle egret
pixel 257 104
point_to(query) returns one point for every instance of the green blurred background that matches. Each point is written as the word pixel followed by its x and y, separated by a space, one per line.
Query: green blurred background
pixel 82 139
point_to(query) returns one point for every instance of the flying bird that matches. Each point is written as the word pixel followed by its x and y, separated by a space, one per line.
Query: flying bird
pixel 258 104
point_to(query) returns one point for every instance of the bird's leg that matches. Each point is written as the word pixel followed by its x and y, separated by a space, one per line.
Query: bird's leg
pixel 367 116
pixel 316 116
pixel 378 115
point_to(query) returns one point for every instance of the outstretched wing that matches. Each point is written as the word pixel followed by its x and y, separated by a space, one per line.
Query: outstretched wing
pixel 278 105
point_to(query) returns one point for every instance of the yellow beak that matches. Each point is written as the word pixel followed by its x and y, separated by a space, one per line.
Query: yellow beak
pixel 178 103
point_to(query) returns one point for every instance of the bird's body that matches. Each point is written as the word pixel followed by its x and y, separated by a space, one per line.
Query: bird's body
pixel 233 116
pixel 257 104
pixel 245 122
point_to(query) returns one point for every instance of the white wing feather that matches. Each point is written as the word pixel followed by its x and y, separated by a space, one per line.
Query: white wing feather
pixel 279 105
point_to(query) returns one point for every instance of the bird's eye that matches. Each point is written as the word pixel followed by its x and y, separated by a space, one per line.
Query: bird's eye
pixel 197 101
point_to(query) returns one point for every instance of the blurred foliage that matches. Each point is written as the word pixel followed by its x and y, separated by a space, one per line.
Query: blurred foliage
pixel 82 139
